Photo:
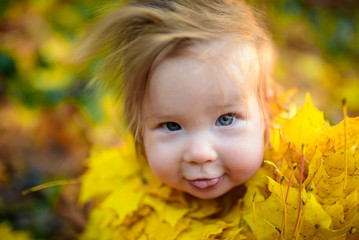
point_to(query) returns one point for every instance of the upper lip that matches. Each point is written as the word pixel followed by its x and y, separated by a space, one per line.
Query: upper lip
pixel 203 178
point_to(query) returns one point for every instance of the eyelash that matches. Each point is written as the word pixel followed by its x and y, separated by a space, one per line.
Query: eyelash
pixel 232 118
pixel 173 126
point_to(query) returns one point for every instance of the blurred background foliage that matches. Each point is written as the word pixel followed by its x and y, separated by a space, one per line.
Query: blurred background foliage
pixel 49 120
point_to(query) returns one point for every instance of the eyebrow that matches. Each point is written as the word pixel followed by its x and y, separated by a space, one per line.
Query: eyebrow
pixel 237 107
pixel 158 116
pixel 230 101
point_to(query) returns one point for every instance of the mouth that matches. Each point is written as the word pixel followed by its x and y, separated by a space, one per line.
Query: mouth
pixel 206 184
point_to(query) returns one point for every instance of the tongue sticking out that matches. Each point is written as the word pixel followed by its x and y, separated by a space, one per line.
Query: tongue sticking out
pixel 205 183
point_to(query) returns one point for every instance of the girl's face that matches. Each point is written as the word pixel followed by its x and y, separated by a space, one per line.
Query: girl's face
pixel 203 131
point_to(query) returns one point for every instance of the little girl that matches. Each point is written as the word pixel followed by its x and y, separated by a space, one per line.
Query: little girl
pixel 195 80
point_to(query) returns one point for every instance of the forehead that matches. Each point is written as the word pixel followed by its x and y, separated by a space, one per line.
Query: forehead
pixel 210 72
pixel 223 59
pixel 186 75
pixel 227 54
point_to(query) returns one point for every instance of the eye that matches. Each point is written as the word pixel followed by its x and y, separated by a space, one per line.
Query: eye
pixel 171 126
pixel 225 119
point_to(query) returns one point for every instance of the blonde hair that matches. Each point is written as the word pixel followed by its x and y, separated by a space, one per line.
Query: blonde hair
pixel 133 37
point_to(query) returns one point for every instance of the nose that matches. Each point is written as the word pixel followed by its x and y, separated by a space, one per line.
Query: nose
pixel 199 151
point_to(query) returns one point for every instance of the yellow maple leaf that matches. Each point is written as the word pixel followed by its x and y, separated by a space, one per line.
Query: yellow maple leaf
pixel 305 126
pixel 171 213
pixel 124 200
pixel 204 229
pixel 107 169
pixel 157 229
pixel 94 229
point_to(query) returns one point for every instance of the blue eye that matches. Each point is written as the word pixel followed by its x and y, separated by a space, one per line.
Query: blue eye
pixel 225 119
pixel 171 126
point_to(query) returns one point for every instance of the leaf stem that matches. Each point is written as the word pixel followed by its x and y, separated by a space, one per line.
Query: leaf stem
pixel 284 217
pixel 286 199
pixel 344 112
pixel 300 189
pixel 254 215
pixel 50 184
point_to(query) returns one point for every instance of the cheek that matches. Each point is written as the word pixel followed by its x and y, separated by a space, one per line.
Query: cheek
pixel 154 157
pixel 159 158
pixel 245 158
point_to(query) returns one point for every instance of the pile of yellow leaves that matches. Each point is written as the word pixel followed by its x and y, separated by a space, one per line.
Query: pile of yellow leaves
pixel 307 188
pixel 314 191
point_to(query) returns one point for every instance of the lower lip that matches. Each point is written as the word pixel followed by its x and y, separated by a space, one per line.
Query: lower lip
pixel 209 188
